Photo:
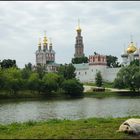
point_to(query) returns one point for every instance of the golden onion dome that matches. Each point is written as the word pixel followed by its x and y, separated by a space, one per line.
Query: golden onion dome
pixel 78 28
pixel 45 41
pixel 131 48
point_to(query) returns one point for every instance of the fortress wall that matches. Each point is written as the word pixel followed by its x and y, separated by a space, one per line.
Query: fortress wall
pixel 82 75
pixel 88 74
pixel 111 73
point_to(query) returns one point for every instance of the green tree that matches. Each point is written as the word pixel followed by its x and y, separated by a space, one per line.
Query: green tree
pixel 137 80
pixel 2 79
pixel 28 66
pixel 8 63
pixel 98 79
pixel 33 82
pixel 67 71
pixel 112 61
pixel 119 83
pixel 25 73
pixel 13 79
pixel 79 60
pixel 40 70
pixel 73 87
pixel 135 62
pixel 51 82
pixel 128 77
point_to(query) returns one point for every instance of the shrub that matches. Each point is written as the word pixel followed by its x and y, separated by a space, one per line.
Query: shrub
pixel 73 87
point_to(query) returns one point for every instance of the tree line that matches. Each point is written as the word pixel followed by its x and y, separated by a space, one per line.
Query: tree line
pixel 15 79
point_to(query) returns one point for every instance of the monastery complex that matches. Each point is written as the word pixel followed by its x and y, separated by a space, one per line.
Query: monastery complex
pixel 85 72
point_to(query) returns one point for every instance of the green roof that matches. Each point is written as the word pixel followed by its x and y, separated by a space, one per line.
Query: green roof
pixel 81 66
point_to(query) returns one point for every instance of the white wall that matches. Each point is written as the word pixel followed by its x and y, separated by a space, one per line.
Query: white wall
pixel 88 75
pixel 110 74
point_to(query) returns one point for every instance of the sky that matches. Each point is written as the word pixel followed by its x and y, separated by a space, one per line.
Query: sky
pixel 106 28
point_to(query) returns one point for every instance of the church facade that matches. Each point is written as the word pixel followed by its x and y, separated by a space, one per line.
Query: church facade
pixel 45 56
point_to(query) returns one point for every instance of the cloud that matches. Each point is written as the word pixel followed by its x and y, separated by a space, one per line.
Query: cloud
pixel 106 26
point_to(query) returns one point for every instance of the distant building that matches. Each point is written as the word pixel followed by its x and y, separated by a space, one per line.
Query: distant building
pixel 130 54
pixel 86 72
pixel 46 56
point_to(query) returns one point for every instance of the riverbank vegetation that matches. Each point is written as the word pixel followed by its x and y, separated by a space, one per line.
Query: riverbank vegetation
pixel 104 84
pixel 37 82
pixel 129 77
pixel 92 128
pixel 118 94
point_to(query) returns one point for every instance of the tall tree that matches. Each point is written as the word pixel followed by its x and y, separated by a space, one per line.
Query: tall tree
pixel 67 71
pixel 112 61
pixel 98 79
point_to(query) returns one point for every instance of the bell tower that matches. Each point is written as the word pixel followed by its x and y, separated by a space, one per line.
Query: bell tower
pixel 79 46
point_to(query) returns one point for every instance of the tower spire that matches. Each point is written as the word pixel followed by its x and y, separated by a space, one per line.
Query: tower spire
pixel 131 37
pixel 45 38
pixel 45 33
pixel 45 42
pixel 78 22
pixel 39 44
pixel 78 27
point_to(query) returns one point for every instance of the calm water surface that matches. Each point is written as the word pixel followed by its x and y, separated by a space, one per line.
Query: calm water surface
pixel 21 111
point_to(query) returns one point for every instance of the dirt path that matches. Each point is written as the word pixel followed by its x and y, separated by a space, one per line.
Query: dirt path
pixel 88 88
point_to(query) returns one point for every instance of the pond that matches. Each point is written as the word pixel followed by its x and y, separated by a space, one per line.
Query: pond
pixel 21 111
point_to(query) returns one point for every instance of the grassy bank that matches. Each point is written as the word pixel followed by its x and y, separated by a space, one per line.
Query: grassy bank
pixel 101 94
pixel 94 128
pixel 60 95
pixel 24 94
pixel 105 84
pixel 121 94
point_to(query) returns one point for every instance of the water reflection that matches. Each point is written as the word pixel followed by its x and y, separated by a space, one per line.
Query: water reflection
pixel 68 109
